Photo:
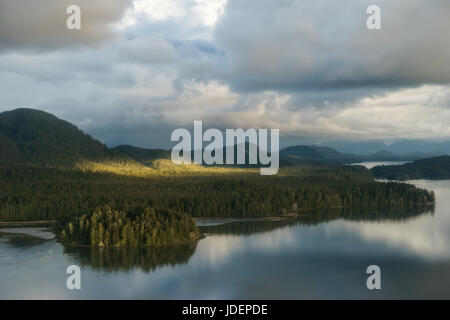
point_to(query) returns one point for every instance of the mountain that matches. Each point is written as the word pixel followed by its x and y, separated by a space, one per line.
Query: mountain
pixel 29 136
pixel 290 156
pixel 420 148
pixel 298 155
pixel 382 155
pixel 329 156
pixel 310 155
pixel 144 156
pixel 34 137
pixel 427 147
pixel 332 154
pixel 431 168
pixel 356 147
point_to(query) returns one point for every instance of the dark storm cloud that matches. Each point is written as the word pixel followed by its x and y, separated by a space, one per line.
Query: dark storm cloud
pixel 41 24
pixel 302 45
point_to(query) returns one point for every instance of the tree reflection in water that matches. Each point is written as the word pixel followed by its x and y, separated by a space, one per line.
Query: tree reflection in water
pixel 123 259
pixel 151 258
pixel 316 217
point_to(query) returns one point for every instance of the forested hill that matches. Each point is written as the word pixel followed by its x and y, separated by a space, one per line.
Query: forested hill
pixel 432 168
pixel 291 156
pixel 34 137
pixel 314 155
pixel 144 156
pixel 153 206
pixel 29 136
pixel 300 155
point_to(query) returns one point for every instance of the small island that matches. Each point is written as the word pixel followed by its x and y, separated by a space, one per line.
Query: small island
pixel 106 227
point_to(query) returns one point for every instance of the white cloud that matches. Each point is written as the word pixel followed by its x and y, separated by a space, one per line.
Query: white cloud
pixel 153 10
pixel 191 12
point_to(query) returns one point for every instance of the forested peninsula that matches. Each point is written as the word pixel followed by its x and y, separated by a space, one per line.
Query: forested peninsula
pixel 432 168
pixel 102 197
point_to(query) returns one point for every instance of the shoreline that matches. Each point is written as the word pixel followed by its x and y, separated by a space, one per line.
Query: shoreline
pixel 37 223
pixel 34 232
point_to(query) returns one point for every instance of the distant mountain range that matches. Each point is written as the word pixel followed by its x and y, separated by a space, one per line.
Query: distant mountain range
pixel 329 156
pixel 419 147
pixel 34 137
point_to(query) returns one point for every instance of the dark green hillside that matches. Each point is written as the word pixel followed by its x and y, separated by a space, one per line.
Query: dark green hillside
pixel 432 168
pixel 35 137
pixel 9 151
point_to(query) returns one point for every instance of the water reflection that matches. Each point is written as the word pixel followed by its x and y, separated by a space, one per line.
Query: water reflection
pixel 149 259
pixel 124 259
pixel 316 217
pixel 21 240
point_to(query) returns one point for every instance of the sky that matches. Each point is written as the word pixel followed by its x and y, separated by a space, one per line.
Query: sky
pixel 139 69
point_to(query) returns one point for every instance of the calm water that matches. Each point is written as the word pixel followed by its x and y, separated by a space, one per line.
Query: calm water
pixel 322 258
pixel 371 164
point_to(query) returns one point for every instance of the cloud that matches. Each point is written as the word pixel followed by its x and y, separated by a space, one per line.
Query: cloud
pixel 405 113
pixel 205 12
pixel 41 25
pixel 140 68
pixel 299 45
pixel 148 50
pixel 184 19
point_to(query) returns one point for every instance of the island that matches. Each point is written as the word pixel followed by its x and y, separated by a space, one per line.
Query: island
pixel 435 168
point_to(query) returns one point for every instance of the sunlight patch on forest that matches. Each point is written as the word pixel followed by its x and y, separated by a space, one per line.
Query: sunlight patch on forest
pixel 160 167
